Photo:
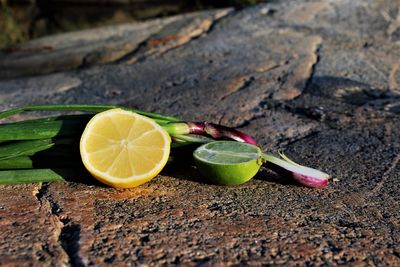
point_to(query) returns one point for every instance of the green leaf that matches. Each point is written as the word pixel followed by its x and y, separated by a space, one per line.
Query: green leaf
pixel 44 128
pixel 32 176
pixel 85 108
pixel 30 147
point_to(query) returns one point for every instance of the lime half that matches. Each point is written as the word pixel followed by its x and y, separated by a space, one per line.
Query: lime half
pixel 228 162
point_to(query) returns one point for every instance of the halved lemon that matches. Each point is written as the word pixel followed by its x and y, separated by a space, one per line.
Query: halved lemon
pixel 124 149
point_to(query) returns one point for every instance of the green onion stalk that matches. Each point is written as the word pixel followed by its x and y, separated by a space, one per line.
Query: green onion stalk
pixel 67 125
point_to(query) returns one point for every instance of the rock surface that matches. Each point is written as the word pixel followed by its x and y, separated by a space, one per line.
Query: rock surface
pixel 317 79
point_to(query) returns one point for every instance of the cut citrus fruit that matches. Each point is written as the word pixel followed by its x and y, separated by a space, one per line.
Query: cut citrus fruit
pixel 228 162
pixel 124 149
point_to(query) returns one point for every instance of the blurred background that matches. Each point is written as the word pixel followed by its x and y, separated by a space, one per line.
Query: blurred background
pixel 21 20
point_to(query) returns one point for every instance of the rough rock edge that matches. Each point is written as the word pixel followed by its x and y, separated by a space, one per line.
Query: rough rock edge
pixel 65 233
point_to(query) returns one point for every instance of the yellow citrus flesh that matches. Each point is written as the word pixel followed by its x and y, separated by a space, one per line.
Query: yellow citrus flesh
pixel 124 149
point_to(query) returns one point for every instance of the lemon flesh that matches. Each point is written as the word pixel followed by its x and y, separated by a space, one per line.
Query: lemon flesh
pixel 124 149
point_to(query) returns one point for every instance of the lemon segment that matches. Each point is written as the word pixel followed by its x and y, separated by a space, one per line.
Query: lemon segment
pixel 124 149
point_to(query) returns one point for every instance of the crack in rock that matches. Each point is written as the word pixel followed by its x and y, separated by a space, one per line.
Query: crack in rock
pixel 41 192
pixel 312 71
pixel 69 239
pixel 385 176
pixel 239 85
pixel 174 35
pixel 301 76
pixel 66 233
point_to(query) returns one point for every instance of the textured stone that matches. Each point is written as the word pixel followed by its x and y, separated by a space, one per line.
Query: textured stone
pixel 102 45
pixel 316 79
pixel 29 230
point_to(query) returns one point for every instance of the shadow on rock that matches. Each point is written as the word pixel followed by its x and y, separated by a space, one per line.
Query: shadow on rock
pixel 350 91
pixel 269 176
pixel 181 165
pixel 78 175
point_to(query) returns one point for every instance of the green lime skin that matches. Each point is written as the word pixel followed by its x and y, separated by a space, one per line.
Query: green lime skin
pixel 228 162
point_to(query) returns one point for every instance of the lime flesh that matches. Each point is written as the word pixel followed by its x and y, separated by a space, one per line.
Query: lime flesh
pixel 228 162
